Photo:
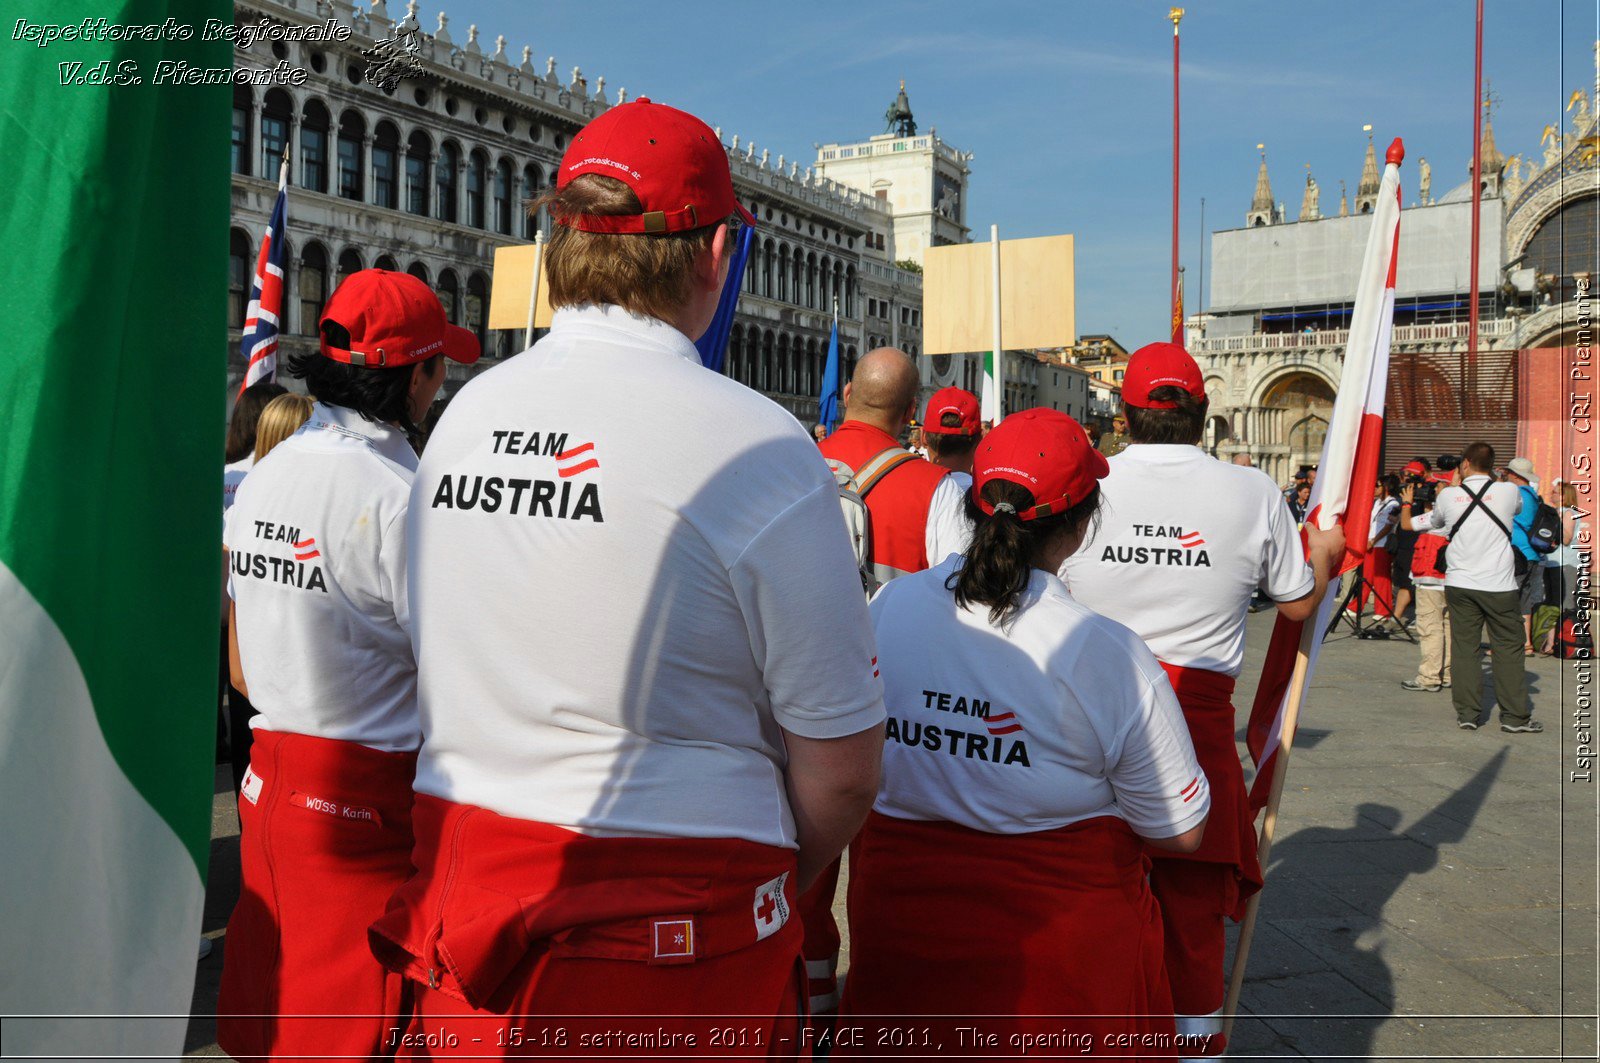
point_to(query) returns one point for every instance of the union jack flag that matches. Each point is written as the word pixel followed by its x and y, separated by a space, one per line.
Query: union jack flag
pixel 264 316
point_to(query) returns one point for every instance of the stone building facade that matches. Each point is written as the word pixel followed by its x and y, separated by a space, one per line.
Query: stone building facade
pixel 431 177
pixel 1271 341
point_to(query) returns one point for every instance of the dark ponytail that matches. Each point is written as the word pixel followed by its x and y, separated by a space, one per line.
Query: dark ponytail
pixel 1000 560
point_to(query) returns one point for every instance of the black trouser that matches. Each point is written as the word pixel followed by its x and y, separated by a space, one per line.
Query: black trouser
pixel 1501 612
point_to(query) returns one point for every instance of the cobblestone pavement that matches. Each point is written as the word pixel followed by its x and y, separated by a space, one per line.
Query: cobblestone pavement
pixel 1432 891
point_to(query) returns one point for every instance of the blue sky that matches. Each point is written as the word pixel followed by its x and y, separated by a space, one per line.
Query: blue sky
pixel 1066 103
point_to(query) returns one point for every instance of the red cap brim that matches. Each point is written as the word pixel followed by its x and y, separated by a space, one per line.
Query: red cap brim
pixel 461 345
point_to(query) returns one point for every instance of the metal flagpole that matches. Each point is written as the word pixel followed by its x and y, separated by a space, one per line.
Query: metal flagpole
pixel 999 348
pixel 1469 369
pixel 533 289
pixel 1176 15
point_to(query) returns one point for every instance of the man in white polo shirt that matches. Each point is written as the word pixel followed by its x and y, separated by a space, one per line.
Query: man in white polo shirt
pixel 1184 542
pixel 651 710
pixel 1480 588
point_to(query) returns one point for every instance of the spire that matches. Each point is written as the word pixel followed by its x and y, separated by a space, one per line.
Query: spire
pixel 1367 190
pixel 897 119
pixel 1310 209
pixel 1261 212
pixel 1344 201
pixel 1493 162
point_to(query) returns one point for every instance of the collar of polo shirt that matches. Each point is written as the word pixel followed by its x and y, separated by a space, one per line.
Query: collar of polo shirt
pixel 385 438
pixel 649 330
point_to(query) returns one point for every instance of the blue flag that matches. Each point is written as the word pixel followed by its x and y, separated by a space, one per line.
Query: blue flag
pixel 713 346
pixel 828 405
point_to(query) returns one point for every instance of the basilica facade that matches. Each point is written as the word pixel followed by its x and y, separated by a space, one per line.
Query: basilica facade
pixel 1271 341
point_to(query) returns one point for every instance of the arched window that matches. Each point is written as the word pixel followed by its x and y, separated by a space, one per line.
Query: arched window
pixel 352 131
pixel 730 365
pixel 386 166
pixel 450 296
pixel 313 287
pixel 419 154
pixel 750 267
pixel 811 280
pixel 850 292
pixel 532 178
pixel 239 151
pixel 386 262
pixel 769 362
pixel 799 271
pixel 836 289
pixel 783 272
pixel 782 383
pixel 766 270
pixel 349 262
pixel 238 277
pixel 315 125
pixel 850 362
pixel 445 185
pixel 419 271
pixel 477 179
pixel 502 197
pixel 276 111
pixel 477 307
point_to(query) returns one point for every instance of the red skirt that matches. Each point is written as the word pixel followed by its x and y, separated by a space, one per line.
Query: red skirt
pixel 1230 836
pixel 985 930
pixel 324 841
pixel 601 946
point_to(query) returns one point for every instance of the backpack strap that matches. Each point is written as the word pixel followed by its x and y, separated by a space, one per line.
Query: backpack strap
pixel 1477 503
pixel 881 465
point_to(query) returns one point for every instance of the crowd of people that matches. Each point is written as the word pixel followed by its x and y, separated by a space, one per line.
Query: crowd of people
pixel 575 714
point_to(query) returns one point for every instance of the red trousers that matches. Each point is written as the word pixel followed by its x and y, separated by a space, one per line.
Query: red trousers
pixel 521 938
pixel 1198 890
pixel 961 924
pixel 1378 569
pixel 324 840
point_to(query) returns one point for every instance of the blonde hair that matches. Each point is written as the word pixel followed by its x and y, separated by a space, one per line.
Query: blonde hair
pixel 645 274
pixel 282 416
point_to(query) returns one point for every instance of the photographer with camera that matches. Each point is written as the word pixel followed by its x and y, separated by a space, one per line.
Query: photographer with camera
pixel 1403 543
pixel 1427 578
pixel 1481 587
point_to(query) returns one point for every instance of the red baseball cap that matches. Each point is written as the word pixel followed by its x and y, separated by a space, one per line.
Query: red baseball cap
pixel 1160 365
pixel 1416 467
pixel 393 319
pixel 962 403
pixel 1046 452
pixel 674 163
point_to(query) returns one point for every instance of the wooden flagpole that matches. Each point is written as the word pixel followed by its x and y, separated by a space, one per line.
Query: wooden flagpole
pixel 533 289
pixel 1311 629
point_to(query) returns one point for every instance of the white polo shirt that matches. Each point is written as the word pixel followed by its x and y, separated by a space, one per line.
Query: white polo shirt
pixel 949 531
pixel 233 475
pixel 1062 717
pixel 1184 542
pixel 1479 558
pixel 317 572
pixel 1381 530
pixel 629 574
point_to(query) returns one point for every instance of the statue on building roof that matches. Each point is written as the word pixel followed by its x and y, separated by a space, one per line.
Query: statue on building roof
pixel 1580 119
pixel 897 119
pixel 1310 202
pixel 1344 200
pixel 1425 180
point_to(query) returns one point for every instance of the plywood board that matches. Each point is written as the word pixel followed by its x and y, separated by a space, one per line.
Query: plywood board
pixel 1037 296
pixel 514 268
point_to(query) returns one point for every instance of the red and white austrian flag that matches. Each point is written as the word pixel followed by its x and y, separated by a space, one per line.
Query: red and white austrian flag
pixel 771 907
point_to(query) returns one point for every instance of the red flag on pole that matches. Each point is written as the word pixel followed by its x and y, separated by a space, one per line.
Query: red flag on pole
pixel 1345 476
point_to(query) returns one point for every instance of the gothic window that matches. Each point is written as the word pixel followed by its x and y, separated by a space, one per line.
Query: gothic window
pixel 450 295
pixel 385 166
pixel 239 151
pixel 502 197
pixel 530 191
pixel 477 177
pixel 352 130
pixel 276 111
pixel 419 150
pixel 314 128
pixel 313 287
pixel 238 277
pixel 445 182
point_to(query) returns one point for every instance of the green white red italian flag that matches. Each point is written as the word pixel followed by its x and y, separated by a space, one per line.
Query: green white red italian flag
pixel 112 304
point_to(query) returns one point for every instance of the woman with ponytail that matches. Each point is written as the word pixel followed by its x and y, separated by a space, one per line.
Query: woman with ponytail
pixel 1032 748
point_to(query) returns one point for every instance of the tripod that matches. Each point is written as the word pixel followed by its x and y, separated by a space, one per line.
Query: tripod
pixel 1372 629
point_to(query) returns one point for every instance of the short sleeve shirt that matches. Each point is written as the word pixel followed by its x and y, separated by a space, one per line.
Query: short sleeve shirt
pixel 630 576
pixel 1060 717
pixel 949 531
pixel 1480 557
pixel 1183 543
pixel 317 571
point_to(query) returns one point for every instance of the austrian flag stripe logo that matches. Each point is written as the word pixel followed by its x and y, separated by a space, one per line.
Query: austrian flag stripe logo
pixel 1003 723
pixel 566 470
pixel 1190 792
pixel 306 549
pixel 1191 540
